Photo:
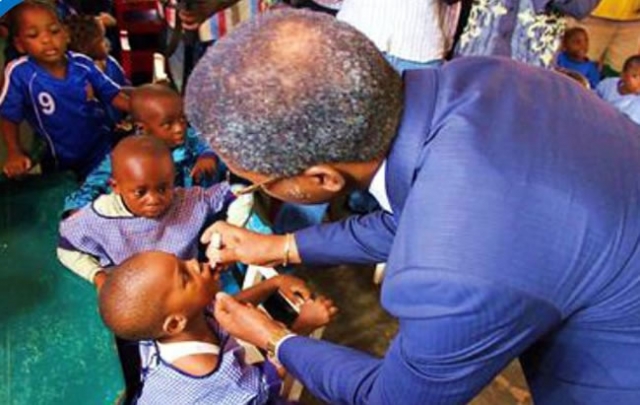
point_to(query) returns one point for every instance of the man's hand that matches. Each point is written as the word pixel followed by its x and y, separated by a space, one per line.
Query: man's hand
pixel 205 167
pixel 17 164
pixel 313 314
pixel 244 321
pixel 241 245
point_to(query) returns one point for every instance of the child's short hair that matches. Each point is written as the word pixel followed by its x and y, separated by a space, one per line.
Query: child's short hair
pixel 128 305
pixel 83 30
pixel 573 31
pixel 631 62
pixel 16 12
pixel 140 95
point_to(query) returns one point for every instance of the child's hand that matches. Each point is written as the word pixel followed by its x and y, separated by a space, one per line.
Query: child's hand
pixel 293 288
pixel 17 164
pixel 313 314
pixel 206 166
pixel 99 279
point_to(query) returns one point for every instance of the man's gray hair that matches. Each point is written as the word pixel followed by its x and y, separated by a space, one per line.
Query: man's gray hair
pixel 292 89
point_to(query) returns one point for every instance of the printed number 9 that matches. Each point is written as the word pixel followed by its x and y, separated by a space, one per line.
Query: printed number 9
pixel 46 102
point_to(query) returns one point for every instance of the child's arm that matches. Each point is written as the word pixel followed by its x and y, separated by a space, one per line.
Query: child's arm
pixel 106 89
pixel 84 265
pixel 12 113
pixel 292 287
pixel 18 163
pixel 121 102
pixel 207 162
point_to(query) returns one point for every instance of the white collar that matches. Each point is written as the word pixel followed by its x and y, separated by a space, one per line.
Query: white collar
pixel 378 187
pixel 170 352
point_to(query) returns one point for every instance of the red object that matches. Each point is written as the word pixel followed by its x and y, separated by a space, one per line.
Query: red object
pixel 140 31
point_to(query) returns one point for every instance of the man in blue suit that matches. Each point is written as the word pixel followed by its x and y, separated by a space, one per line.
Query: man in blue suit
pixel 510 215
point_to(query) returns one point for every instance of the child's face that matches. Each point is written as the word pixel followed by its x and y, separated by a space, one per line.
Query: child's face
pixel 145 185
pixel 190 286
pixel 577 46
pixel 631 79
pixel 99 49
pixel 41 36
pixel 165 120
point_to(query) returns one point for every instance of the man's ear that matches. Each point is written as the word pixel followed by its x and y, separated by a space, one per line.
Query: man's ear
pixel 174 324
pixel 326 177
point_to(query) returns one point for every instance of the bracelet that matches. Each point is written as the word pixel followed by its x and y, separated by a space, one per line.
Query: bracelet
pixel 275 339
pixel 287 249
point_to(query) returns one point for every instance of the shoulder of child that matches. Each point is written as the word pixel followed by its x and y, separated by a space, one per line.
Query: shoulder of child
pixel 16 68
pixel 197 365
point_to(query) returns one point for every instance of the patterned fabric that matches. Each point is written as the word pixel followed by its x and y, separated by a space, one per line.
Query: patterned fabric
pixel 184 158
pixel 233 382
pixel 512 29
pixel 111 238
pixel 628 104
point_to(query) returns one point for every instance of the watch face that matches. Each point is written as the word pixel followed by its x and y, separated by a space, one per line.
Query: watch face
pixel 331 4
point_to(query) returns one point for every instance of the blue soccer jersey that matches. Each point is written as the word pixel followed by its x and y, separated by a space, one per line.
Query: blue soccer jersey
pixel 67 112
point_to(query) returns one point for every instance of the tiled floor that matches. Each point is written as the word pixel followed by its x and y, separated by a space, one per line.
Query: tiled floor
pixel 364 325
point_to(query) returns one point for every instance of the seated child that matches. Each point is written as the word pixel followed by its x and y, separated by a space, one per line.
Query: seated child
pixel 87 36
pixel 55 91
pixel 143 212
pixel 624 92
pixel 157 110
pixel 187 357
pixel 575 45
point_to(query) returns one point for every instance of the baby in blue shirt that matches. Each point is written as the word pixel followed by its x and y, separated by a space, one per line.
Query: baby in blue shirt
pixel 61 94
pixel 624 92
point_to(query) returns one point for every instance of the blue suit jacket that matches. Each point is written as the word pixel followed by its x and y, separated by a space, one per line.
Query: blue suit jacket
pixel 515 231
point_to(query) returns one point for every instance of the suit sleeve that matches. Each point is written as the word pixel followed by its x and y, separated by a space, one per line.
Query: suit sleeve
pixel 468 331
pixel 358 239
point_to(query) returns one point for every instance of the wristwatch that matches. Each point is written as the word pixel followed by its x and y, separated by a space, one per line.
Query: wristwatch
pixel 275 338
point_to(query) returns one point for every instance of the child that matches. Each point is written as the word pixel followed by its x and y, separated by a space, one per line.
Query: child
pixel 87 36
pixel 575 45
pixel 624 92
pixel 158 111
pixel 186 357
pixel 143 212
pixel 55 91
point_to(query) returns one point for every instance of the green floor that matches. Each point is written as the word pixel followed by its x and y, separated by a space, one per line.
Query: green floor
pixel 53 347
